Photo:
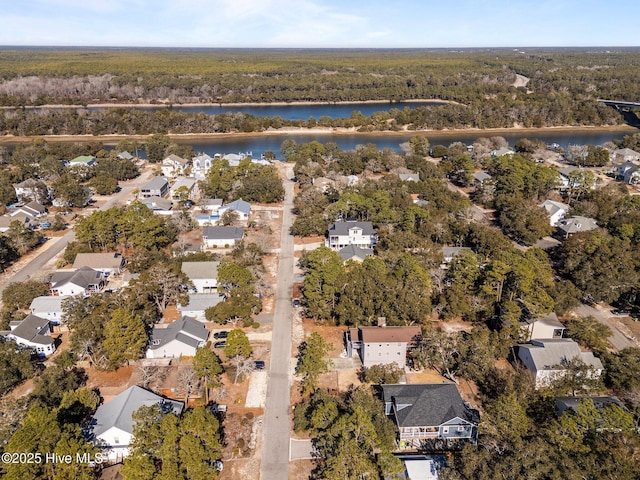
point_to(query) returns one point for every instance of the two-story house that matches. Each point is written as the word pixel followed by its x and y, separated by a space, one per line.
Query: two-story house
pixel 174 166
pixel 156 187
pixel 429 411
pixel 556 211
pixel 203 275
pixel 382 344
pixel 342 234
pixel 107 263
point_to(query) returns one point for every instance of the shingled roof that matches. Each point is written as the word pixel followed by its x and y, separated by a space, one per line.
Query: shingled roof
pixel 427 404
pixel 119 411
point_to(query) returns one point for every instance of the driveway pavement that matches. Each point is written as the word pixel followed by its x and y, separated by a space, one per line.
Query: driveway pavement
pixel 618 339
pixel 301 449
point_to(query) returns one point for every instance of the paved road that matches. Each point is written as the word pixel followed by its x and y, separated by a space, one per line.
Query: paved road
pixel 35 266
pixel 617 338
pixel 275 444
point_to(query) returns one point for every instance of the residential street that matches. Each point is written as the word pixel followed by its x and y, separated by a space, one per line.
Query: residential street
pixel 275 444
pixel 617 339
pixel 36 265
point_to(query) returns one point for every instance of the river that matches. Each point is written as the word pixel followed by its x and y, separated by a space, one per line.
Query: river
pixel 257 144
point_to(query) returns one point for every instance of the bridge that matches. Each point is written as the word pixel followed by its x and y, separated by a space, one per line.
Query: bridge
pixel 619 104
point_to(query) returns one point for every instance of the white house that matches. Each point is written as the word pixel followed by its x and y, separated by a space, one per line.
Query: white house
pixel 49 308
pixel 180 338
pixel 242 208
pixel 33 332
pixel 31 209
pixel 222 237
pixel 201 166
pixel 174 166
pixel 108 263
pixel 203 275
pixel 83 160
pixel 184 188
pixel 33 190
pixel 409 177
pixel 556 211
pixel 111 427
pixel 342 234
pixel 198 303
pixel 546 359
pixel 543 327
pixel 79 282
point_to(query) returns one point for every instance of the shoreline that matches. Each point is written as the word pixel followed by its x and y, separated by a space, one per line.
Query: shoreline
pixel 490 132
pixel 231 104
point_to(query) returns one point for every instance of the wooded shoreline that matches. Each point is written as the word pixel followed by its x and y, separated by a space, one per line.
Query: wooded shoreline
pixel 10 139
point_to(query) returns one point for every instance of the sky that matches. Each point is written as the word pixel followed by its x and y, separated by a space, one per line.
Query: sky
pixel 319 23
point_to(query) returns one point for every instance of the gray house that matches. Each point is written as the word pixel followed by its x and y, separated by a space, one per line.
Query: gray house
pixel 111 427
pixel 198 303
pixel 576 224
pixel 83 281
pixel 222 236
pixel 203 275
pixel 49 308
pixel 242 208
pixel 156 187
pixel 429 411
pixel 180 338
pixel 355 253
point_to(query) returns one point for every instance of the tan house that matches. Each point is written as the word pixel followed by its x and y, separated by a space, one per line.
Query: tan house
pixel 382 344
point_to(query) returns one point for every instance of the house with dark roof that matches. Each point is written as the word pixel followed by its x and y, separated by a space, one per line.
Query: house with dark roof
pixel 222 237
pixel 355 253
pixel 111 427
pixel 180 338
pixel 382 344
pixel 108 263
pixel 83 281
pixel 156 187
pixel 203 275
pixel 480 177
pixel 546 359
pixel 571 403
pixel 33 332
pixel 342 234
pixel 429 411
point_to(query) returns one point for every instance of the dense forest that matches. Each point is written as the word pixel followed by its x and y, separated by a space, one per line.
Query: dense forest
pixel 562 89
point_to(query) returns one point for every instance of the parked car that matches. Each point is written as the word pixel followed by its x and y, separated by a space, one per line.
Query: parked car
pixel 259 365
pixel 222 334
pixel 221 344
pixel 620 311
pixel 296 302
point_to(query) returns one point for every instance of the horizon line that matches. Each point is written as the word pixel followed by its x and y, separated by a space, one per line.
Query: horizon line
pixel 512 47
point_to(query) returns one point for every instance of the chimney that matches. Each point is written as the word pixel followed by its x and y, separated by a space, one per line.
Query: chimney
pixel 382 322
